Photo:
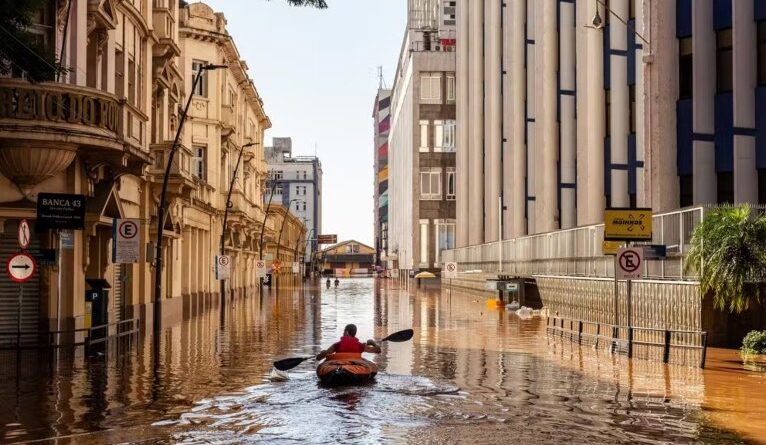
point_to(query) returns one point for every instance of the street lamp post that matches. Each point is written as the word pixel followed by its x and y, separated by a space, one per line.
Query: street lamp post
pixel 226 213
pixel 281 229
pixel 162 210
pixel 263 228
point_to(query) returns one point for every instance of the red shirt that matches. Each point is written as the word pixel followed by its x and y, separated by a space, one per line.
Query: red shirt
pixel 348 343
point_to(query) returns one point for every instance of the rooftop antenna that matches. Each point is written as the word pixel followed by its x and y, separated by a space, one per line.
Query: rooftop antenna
pixel 381 80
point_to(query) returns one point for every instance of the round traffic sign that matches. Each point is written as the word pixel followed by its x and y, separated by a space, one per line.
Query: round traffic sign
pixel 630 261
pixel 128 229
pixel 223 260
pixel 20 267
pixel 260 264
pixel 450 267
pixel 25 234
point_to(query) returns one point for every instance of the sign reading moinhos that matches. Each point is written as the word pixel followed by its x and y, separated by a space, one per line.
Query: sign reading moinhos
pixel 628 224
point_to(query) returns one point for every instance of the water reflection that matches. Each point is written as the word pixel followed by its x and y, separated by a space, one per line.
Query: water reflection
pixel 471 375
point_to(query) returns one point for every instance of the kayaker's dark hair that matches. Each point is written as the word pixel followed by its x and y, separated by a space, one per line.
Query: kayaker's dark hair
pixel 350 330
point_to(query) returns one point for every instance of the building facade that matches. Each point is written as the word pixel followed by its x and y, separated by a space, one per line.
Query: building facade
pixel 566 108
pixel 381 116
pixel 347 259
pixel 296 183
pixel 103 129
pixel 422 144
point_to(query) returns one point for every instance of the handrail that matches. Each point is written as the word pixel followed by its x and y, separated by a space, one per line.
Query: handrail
pixel 556 324
pixel 134 324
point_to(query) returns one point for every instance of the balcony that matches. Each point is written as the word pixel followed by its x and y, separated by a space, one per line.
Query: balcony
pixel 228 120
pixel 166 47
pixel 180 182
pixel 44 126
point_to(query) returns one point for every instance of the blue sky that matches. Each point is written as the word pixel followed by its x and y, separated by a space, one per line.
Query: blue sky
pixel 317 73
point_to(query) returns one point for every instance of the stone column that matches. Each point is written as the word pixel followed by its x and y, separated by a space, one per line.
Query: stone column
pixel 493 117
pixel 568 130
pixel 745 73
pixel 703 108
pixel 476 128
pixel 590 117
pixel 462 169
pixel 619 113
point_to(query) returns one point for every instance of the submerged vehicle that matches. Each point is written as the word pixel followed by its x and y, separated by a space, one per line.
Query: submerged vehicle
pixel 342 369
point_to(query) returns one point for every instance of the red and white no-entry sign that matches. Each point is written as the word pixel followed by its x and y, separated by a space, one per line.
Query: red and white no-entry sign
pixel 20 267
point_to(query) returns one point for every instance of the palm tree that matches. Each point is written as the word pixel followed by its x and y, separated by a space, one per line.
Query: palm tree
pixel 728 248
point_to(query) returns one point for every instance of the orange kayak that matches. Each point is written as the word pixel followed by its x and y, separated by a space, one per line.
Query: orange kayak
pixel 346 369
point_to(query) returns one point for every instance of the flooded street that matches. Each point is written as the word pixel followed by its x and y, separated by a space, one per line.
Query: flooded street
pixel 470 375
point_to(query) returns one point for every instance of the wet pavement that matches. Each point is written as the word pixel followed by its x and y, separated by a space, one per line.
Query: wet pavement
pixel 471 374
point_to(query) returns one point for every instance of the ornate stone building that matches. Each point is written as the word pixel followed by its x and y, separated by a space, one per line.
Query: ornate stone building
pixel 103 129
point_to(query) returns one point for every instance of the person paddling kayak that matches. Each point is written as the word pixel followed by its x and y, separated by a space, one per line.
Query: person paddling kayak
pixel 350 344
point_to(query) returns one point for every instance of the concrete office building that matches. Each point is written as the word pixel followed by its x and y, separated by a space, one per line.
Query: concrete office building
pixel 566 107
pixel 297 184
pixel 421 147
pixel 381 115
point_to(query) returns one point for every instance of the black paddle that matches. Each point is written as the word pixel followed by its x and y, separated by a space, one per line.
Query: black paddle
pixel 290 363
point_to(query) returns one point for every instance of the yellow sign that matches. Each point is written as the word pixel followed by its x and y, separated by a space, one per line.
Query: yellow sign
pixel 628 224
pixel 611 247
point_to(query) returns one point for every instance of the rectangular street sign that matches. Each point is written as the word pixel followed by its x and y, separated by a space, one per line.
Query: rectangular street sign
pixel 296 267
pixel 450 271
pixel 512 287
pixel 629 263
pixel 655 252
pixel 222 267
pixel 611 247
pixel 327 239
pixel 44 257
pixel 60 211
pixel 261 269
pixel 628 224
pixel 126 241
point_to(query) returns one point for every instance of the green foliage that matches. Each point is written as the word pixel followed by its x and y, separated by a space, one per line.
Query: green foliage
pixel 24 49
pixel 729 250
pixel 754 343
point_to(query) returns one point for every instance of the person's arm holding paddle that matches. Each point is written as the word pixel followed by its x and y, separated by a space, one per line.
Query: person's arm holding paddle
pixel 372 347
pixel 326 352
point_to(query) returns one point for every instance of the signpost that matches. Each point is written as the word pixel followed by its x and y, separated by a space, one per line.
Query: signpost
pixel 449 272
pixel 126 241
pixel 327 239
pixel 222 267
pixel 60 211
pixel 628 224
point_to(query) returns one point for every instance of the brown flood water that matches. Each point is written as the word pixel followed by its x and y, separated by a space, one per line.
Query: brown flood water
pixel 470 375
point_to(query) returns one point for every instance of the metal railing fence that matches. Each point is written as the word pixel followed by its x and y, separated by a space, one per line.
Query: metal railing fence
pixel 578 251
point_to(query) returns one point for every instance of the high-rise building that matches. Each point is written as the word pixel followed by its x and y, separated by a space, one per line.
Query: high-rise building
pixel 422 145
pixel 565 108
pixel 381 115
pixel 296 183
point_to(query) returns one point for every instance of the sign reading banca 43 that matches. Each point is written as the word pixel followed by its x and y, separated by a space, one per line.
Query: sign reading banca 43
pixel 126 241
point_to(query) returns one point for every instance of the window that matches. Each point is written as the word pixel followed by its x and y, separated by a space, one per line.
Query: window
pixel 450 87
pixel 424 241
pixel 445 236
pixel 201 88
pixel 725 190
pixel 300 206
pixel 278 191
pixel 424 146
pixel 686 190
pixel 762 53
pixel 685 68
pixel 301 174
pixel 724 73
pixel 200 162
pixel 277 175
pixel 450 183
pixel 430 87
pixel 430 183
pixel 608 112
pixel 300 190
pixel 444 135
